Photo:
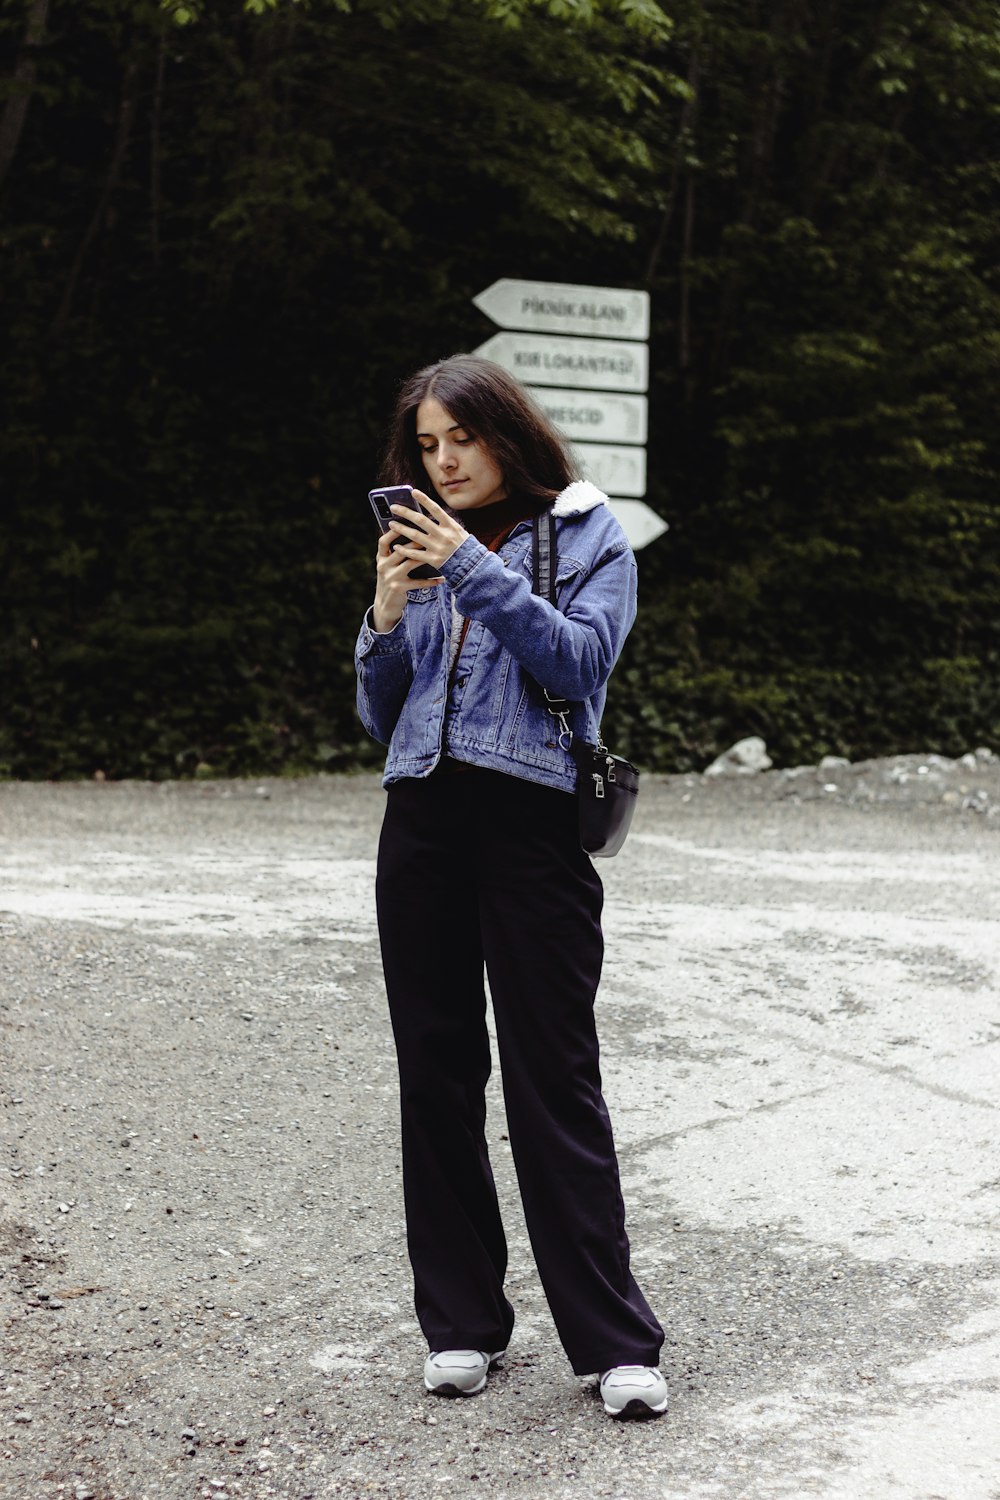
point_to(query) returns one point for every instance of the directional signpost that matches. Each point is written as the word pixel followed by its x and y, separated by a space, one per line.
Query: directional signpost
pixel 613 467
pixel 547 359
pixel 582 350
pixel 596 416
pixel 639 522
pixel 554 307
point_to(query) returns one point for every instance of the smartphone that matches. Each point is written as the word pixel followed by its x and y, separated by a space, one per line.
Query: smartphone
pixel 398 494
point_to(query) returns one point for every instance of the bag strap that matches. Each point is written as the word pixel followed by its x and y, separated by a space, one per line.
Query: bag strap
pixel 543 573
pixel 543 582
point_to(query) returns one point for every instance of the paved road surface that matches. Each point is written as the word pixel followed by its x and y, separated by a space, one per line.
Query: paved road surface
pixel 205 1289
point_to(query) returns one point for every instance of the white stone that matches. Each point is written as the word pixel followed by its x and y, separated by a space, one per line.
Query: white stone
pixel 744 758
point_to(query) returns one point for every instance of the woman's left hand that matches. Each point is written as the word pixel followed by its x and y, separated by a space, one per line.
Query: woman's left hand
pixel 440 536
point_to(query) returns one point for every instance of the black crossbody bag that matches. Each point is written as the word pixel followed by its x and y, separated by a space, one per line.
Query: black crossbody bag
pixel 607 785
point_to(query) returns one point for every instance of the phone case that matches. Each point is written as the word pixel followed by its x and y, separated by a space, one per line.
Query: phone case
pixel 398 494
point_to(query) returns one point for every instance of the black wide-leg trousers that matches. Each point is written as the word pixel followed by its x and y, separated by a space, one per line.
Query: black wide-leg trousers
pixel 476 867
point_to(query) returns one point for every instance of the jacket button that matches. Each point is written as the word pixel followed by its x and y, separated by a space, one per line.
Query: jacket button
pixel 505 561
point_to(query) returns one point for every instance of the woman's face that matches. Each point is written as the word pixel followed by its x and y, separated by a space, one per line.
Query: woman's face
pixel 460 468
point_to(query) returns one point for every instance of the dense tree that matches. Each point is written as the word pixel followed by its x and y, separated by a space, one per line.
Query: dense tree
pixel 832 299
pixel 229 228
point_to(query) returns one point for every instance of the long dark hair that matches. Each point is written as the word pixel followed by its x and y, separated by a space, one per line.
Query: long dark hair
pixel 495 408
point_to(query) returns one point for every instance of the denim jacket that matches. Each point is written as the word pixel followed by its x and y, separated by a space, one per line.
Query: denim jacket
pixel 491 711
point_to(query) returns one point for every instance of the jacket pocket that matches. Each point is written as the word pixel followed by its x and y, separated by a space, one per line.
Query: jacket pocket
pixel 568 569
pixel 531 732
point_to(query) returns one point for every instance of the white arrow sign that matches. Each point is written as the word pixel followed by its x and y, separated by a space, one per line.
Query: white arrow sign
pixel 595 416
pixel 584 364
pixel 585 377
pixel 557 307
pixel 639 522
pixel 615 470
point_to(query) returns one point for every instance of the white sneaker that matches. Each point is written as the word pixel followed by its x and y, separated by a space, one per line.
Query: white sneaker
pixel 458 1372
pixel 633 1391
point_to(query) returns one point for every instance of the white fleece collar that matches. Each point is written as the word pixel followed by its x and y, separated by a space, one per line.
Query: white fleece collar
pixel 578 497
pixel 575 499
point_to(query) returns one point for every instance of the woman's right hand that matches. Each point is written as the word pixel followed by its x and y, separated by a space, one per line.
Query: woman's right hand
pixel 392 580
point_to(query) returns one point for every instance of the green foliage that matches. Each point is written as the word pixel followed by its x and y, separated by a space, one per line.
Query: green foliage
pixel 229 229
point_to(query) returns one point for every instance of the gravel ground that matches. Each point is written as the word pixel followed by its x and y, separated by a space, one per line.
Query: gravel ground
pixel 204 1287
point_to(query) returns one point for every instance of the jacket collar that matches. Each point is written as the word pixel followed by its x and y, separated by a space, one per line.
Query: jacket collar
pixel 578 497
pixel 575 500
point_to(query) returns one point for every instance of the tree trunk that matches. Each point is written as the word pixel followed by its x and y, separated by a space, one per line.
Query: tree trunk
pixel 684 311
pixel 126 115
pixel 683 128
pixel 155 195
pixel 831 167
pixel 16 109
pixel 769 90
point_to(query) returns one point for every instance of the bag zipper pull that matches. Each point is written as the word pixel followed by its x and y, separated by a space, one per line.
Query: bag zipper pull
pixel 598 784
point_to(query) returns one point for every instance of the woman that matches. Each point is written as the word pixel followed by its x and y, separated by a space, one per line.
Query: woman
pixel 480 861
